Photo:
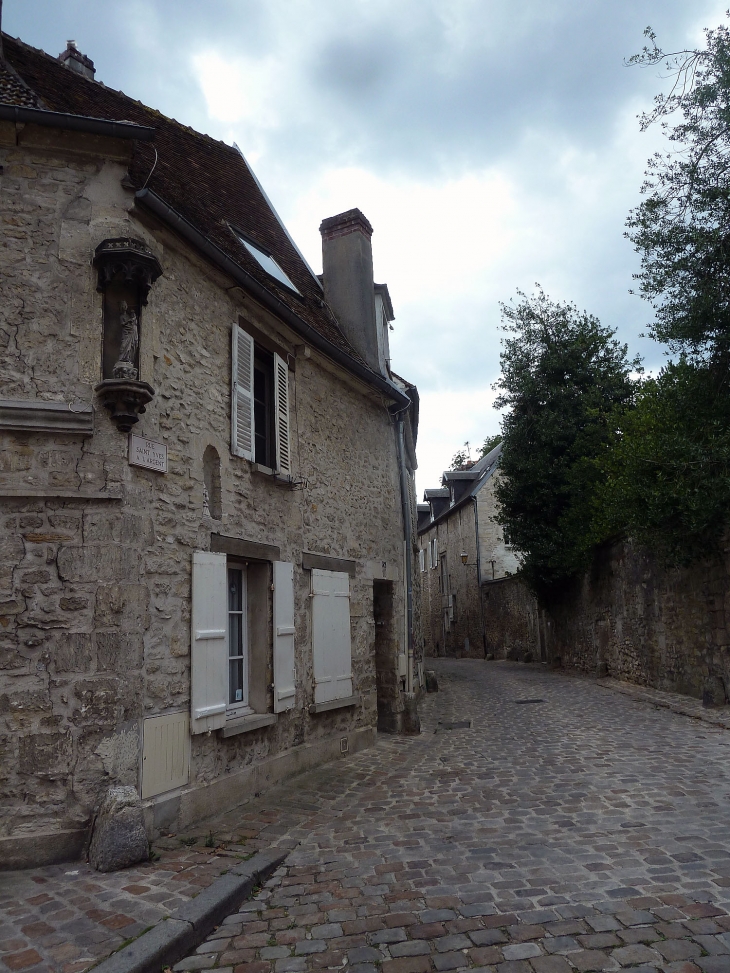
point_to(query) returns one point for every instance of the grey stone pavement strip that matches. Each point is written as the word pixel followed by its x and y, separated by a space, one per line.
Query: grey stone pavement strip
pixel 593 828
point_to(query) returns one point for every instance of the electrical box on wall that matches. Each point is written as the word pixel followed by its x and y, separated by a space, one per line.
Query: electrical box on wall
pixel 165 753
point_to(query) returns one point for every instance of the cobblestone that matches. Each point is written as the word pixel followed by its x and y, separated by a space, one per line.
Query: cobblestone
pixel 578 834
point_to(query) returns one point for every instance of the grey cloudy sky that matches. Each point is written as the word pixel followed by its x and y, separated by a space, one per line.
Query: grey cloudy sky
pixel 492 144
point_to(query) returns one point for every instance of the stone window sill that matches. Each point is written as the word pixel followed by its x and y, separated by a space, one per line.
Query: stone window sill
pixel 283 479
pixel 247 723
pixel 334 704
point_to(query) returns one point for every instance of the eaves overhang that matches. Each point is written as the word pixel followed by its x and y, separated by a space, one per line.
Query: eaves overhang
pixel 184 228
pixel 76 123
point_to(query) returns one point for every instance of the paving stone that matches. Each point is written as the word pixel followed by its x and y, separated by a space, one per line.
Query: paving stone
pixel 487 937
pixel 292 964
pixel 408 964
pixel 413 947
pixel 521 950
pixel 366 954
pixel 550 964
pixel 599 940
pixel 449 961
pixel 603 923
pixel 638 953
pixel 274 952
pixel 447 943
pixel 388 936
pixel 592 960
pixel 561 944
pixel 306 946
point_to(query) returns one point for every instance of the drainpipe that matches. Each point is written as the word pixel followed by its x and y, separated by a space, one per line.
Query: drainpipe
pixel 479 575
pixel 408 539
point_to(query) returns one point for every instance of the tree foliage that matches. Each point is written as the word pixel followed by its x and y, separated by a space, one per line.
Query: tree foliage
pixel 666 476
pixel 563 376
pixel 461 460
pixel 667 473
pixel 682 226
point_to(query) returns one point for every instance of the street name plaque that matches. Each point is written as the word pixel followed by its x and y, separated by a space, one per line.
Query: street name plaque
pixel 145 452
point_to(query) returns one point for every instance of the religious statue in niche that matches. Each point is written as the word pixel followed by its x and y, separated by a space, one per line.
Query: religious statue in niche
pixel 127 269
pixel 128 344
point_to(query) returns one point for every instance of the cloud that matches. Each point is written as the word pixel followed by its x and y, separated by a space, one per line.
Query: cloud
pixel 491 144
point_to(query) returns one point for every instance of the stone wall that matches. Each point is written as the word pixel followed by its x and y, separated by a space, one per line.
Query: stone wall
pixel 513 625
pixel 632 618
pixel 95 554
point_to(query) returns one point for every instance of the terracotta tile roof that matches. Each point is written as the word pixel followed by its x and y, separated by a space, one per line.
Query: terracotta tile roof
pixel 13 91
pixel 206 181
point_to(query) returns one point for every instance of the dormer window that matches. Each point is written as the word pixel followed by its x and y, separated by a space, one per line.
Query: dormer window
pixel 267 262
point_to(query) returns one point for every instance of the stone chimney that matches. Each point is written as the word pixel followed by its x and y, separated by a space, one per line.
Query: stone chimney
pixel 74 60
pixel 347 266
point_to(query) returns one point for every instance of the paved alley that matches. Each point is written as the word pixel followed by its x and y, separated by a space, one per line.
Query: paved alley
pixel 540 823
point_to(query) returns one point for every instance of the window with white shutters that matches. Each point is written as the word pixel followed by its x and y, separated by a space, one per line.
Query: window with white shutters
pixel 260 429
pixel 281 415
pixel 331 645
pixel 208 642
pixel 284 662
pixel 232 644
pixel 242 412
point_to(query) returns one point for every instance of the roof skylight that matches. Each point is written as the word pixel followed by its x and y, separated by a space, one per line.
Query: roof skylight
pixel 267 262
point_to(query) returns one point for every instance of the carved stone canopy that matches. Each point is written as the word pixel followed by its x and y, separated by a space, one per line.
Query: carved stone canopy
pixel 131 259
pixel 125 399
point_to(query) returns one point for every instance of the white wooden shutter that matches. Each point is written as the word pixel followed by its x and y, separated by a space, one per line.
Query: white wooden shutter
pixel 208 642
pixel 281 415
pixel 331 646
pixel 242 418
pixel 284 671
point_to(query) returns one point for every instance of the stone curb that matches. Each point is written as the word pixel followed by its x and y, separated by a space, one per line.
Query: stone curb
pixel 690 707
pixel 172 939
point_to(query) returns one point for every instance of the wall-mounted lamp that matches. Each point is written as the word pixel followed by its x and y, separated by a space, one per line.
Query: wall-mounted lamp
pixel 464 557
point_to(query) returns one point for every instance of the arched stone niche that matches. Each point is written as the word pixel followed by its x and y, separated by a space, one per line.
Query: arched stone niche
pixel 212 483
pixel 126 270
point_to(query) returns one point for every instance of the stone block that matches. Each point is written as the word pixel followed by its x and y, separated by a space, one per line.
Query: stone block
pixel 124 606
pixel 118 839
pixel 72 652
pixel 119 651
pixel 45 754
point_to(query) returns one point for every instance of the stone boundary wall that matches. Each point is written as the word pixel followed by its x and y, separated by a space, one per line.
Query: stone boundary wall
pixel 632 618
pixel 512 622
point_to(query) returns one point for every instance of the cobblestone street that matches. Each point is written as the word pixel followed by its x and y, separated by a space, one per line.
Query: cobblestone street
pixel 540 823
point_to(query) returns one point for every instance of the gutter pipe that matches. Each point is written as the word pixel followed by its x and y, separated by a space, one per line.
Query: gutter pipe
pixel 185 229
pixel 76 123
pixel 408 540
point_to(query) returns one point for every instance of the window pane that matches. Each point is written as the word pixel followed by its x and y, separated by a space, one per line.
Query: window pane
pixel 235 633
pixel 235 680
pixel 235 590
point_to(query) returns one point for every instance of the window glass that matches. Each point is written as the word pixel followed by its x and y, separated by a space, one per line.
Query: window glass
pixel 268 263
pixel 237 661
pixel 263 407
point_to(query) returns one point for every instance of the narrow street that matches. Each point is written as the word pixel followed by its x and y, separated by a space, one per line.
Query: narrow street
pixel 540 823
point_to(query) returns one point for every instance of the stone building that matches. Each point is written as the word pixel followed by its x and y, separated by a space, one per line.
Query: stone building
pixel 207 551
pixel 462 554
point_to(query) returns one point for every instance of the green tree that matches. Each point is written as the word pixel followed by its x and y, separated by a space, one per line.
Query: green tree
pixel 682 226
pixel 489 443
pixel 667 472
pixel 666 476
pixel 563 376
